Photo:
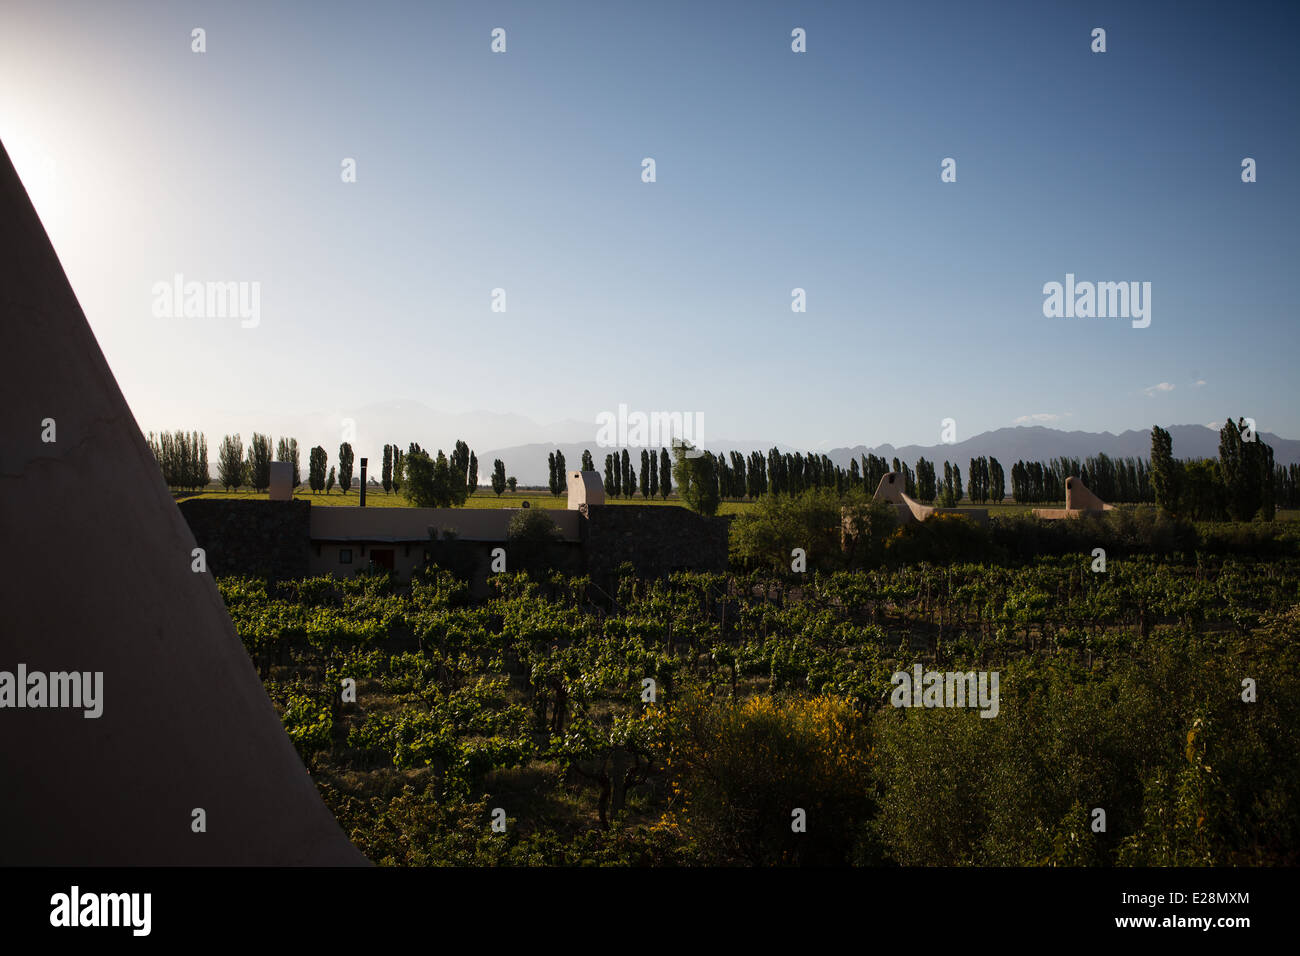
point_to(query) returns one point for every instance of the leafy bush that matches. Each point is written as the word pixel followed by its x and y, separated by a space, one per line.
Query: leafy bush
pixel 1160 741
pixel 743 768
pixel 765 534
pixel 940 539
pixel 532 526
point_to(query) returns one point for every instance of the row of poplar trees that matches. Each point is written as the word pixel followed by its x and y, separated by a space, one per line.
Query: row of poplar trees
pixel 1240 484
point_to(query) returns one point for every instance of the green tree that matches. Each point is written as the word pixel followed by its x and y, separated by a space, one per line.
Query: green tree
pixel 316 462
pixel 472 483
pixel 1202 493
pixel 646 468
pixel 561 473
pixel 1246 463
pixel 286 449
pixel 387 473
pixel 1165 471
pixel 445 481
pixel 587 463
pixel 182 458
pixel 397 469
pixel 665 474
pixel 345 467
pixel 512 483
pixel 156 448
pixel 815 520
pixel 259 462
pixel 430 482
pixel 418 483
pixel 696 478
pixel 610 490
pixel 458 473
pixel 329 482
pixel 551 481
pixel 926 489
pixel 627 481
pixel 200 475
pixel 498 477
pixel 997 481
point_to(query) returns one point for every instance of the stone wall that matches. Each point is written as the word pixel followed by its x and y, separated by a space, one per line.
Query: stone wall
pixel 266 539
pixel 655 539
pixel 271 539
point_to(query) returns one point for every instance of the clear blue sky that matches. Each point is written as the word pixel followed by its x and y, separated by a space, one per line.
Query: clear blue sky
pixel 775 170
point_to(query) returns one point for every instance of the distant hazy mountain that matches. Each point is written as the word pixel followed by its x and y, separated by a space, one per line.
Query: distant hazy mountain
pixel 1036 443
pixel 404 422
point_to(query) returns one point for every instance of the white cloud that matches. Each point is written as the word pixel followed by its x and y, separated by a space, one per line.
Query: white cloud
pixel 1039 418
pixel 1162 387
pixel 1198 383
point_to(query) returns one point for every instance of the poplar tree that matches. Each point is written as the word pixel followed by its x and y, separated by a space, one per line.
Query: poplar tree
pixel 345 467
pixel 997 482
pixel 316 461
pixel 286 449
pixel 1164 469
pixel 259 461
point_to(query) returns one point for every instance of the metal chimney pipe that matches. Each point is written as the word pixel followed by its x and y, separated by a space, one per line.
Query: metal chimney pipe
pixel 363 483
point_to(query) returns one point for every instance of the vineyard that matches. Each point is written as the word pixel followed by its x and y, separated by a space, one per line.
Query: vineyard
pixel 689 720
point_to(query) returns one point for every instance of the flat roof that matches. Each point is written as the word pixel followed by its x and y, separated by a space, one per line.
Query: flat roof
pixel 409 525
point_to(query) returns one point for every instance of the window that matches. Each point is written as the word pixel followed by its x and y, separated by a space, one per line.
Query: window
pixel 345 555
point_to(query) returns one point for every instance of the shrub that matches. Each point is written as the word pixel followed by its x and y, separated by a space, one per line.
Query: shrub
pixel 742 768
pixel 532 526
pixel 940 539
pixel 764 536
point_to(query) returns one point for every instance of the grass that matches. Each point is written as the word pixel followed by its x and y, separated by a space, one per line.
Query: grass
pixel 378 498
pixel 484 498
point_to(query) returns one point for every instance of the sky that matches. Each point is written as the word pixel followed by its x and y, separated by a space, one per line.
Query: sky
pixel 775 170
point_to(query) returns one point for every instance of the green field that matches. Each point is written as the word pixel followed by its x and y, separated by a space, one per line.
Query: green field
pixel 484 498
pixel 480 499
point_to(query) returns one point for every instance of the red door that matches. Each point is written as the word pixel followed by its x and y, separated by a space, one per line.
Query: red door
pixel 382 558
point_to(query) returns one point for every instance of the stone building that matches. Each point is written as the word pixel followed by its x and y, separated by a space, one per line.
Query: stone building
pixel 290 539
